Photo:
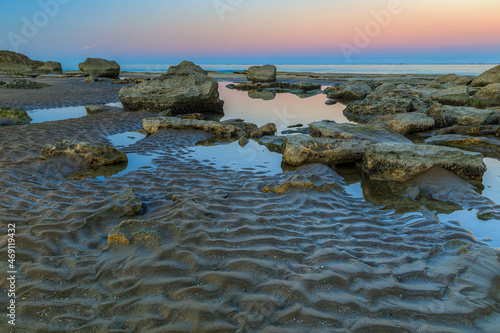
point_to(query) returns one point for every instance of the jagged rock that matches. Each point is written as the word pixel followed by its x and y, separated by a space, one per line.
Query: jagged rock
pixel 100 68
pixel 24 84
pixel 488 77
pixel 388 102
pixel 266 130
pixel 457 96
pixel 405 123
pixel 84 152
pixel 371 132
pixel 153 125
pixel 266 73
pixel 401 161
pixel 446 115
pixel 353 91
pixel 471 143
pixel 273 143
pixel 13 116
pixel 488 96
pixel 98 108
pixel 304 149
pixel 306 86
pixel 184 90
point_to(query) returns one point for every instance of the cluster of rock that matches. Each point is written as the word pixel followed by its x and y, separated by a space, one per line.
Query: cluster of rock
pixel 185 88
pixel 12 63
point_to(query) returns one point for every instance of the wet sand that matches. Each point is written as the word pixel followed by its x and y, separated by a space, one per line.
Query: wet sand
pixel 224 256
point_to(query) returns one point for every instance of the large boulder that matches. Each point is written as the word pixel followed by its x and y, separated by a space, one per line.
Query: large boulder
pixel 266 73
pixel 98 108
pixel 185 90
pixel 304 149
pixel 401 161
pixel 349 92
pixel 13 116
pixel 12 63
pixel 457 96
pixel 83 152
pixel 488 96
pixel 404 123
pixel 446 115
pixel 372 132
pixel 100 68
pixel 488 77
pixel 387 102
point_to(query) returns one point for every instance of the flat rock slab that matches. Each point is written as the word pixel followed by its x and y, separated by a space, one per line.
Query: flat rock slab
pixel 153 125
pixel 98 108
pixel 404 123
pixel 473 143
pixel 401 161
pixel 84 152
pixel 304 149
pixel 446 115
pixel 372 132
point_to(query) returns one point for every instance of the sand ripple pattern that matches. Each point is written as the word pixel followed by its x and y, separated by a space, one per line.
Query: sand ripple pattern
pixel 229 258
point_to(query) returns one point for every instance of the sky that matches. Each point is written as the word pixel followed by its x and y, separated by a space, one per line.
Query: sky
pixel 254 31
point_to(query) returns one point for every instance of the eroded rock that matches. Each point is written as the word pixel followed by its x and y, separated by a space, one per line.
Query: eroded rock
pixel 84 152
pixel 13 116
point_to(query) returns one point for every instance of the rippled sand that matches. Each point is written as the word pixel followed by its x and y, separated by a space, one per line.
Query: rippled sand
pixel 225 257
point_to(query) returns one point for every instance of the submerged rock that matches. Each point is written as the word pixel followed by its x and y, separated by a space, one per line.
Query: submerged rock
pixel 306 86
pixel 304 149
pixel 405 123
pixel 153 125
pixel 84 152
pixel 98 108
pixel 401 161
pixel 24 84
pixel 488 77
pixel 266 73
pixel 388 102
pixel 184 90
pixel 100 67
pixel 13 116
pixel 371 132
pixel 488 96
pixel 472 143
pixel 446 115
pixel 457 96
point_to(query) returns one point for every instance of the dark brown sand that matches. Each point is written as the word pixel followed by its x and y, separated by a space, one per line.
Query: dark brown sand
pixel 229 258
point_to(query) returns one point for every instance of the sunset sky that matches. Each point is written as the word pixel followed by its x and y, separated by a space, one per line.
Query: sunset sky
pixel 254 31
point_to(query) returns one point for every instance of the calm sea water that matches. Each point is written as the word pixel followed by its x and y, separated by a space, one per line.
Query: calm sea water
pixel 460 69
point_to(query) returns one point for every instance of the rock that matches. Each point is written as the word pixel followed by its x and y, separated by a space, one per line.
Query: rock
pixel 197 116
pixel 133 232
pixel 98 108
pixel 243 141
pixel 331 102
pixel 84 152
pixel 246 129
pixel 306 86
pixel 405 123
pixel 273 143
pixel 186 67
pixel 91 79
pixel 13 116
pixel 384 103
pixel 2 83
pixel 385 87
pixel 401 161
pixel 266 73
pixel 265 95
pixel 445 115
pixel 354 91
pixel 304 149
pixel 100 67
pixel 488 96
pixel 476 130
pixel 50 67
pixel 304 130
pixel 259 86
pixel 24 84
pixel 488 77
pixel 464 80
pixel 446 78
pixel 372 132
pixel 266 130
pixel 183 91
pixel 457 96
pixel 471 143
pixel 153 125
